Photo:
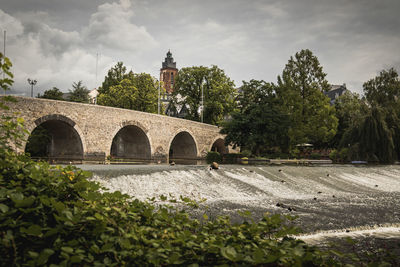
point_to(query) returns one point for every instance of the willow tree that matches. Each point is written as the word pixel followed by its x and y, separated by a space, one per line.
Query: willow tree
pixel 301 88
pixel 383 91
pixel 371 139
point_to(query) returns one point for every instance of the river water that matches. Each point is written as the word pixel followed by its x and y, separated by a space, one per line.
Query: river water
pixel 331 201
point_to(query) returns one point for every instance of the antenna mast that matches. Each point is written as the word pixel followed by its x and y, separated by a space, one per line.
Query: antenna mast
pixel 4 55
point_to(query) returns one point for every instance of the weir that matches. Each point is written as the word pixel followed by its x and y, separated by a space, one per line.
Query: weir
pixel 348 198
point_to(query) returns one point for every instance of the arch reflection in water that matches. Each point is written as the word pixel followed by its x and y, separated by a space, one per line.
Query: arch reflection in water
pixel 131 142
pixel 56 140
pixel 183 149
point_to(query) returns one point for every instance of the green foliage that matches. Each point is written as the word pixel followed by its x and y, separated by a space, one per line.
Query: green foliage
pixel 114 76
pixel 218 91
pixel 350 110
pixel 79 93
pixel 371 139
pixel 5 69
pixel 315 156
pixel 135 91
pixel 54 93
pixel 213 156
pixel 260 123
pixel 301 89
pixel 38 142
pixel 384 89
pixel 372 132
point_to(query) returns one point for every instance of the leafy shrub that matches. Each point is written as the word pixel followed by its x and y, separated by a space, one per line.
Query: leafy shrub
pixel 295 153
pixel 246 153
pixel 213 156
pixel 315 156
pixel 54 215
pixel 343 155
pixel 333 155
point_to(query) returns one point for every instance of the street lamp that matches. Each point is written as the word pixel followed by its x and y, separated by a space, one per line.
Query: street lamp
pixel 32 83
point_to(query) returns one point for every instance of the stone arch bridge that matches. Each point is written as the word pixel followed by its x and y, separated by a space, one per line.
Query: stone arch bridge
pixel 92 132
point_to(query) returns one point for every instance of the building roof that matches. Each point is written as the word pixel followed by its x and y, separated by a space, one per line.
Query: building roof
pixel 169 61
pixel 336 91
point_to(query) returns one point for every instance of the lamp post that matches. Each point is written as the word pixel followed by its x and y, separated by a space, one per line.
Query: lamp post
pixel 32 83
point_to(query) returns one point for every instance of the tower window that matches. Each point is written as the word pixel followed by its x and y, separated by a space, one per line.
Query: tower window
pixel 172 77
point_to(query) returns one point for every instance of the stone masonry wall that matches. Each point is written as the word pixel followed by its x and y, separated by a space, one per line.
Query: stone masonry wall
pixel 97 125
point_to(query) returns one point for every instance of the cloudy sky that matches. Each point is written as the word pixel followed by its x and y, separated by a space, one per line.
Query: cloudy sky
pixel 56 42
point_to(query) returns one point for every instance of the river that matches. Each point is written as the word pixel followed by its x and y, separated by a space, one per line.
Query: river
pixel 331 201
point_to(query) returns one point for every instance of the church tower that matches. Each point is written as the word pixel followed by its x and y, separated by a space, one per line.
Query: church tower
pixel 168 73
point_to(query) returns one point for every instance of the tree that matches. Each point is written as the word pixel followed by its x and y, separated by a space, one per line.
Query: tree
pixel 218 91
pixel 135 91
pixel 54 93
pixel 301 88
pixel 147 93
pixel 350 111
pixel 383 90
pixel 5 67
pixel 260 124
pixel 79 93
pixel 371 139
pixel 114 76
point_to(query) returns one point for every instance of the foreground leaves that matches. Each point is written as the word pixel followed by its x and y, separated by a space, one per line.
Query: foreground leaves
pixel 56 215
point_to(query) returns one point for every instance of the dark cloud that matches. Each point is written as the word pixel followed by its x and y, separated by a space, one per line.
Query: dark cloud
pixel 354 40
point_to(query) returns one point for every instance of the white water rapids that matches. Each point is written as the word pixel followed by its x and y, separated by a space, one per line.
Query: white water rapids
pixel 327 199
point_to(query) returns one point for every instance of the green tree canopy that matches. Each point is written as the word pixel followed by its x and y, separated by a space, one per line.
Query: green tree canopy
pixel 135 91
pixel 53 93
pixel 79 93
pixel 301 88
pixel 217 88
pixel 350 111
pixel 371 139
pixel 260 124
pixel 384 89
pixel 114 76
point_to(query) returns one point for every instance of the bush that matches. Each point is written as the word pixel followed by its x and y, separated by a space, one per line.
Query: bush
pixel 246 153
pixel 213 156
pixel 333 155
pixel 54 215
pixel 315 156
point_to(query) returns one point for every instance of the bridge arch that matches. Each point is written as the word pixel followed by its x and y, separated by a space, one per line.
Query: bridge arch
pixel 218 145
pixel 131 141
pixel 183 146
pixel 57 137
